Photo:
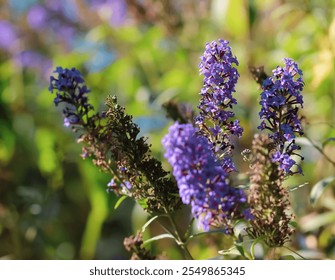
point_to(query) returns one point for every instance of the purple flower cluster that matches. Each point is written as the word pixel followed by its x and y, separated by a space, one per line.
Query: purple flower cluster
pixel 200 177
pixel 72 91
pixel 280 100
pixel 220 77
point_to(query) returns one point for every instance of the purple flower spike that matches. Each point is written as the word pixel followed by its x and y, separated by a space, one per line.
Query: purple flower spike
pixel 280 100
pixel 72 92
pixel 216 117
pixel 200 177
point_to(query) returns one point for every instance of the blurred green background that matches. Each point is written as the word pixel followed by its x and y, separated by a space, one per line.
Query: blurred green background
pixel 53 204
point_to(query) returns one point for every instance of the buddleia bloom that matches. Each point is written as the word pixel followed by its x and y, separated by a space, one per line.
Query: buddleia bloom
pixel 72 92
pixel 216 119
pixel 201 180
pixel 111 139
pixel 280 102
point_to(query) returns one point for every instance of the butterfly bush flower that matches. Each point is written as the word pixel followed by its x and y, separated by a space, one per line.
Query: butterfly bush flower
pixel 201 179
pixel 280 100
pixel 216 119
pixel 112 141
pixel 72 92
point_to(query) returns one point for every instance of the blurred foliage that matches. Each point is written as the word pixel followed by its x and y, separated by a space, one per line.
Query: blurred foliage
pixel 53 205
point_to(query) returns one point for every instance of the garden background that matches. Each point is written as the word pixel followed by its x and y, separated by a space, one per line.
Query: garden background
pixel 54 204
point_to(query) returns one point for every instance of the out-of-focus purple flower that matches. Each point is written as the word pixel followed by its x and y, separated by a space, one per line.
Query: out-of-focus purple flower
pixel 37 17
pixel 8 35
pixel 34 60
pixel 119 12
pixel 200 177
pixel 59 17
pixel 280 100
pixel 220 77
pixel 54 5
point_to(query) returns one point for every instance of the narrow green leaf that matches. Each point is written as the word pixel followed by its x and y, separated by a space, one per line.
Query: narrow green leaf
pixel 240 249
pixel 303 141
pixel 150 221
pixel 206 233
pixel 119 201
pixel 158 237
pixel 231 251
pixel 319 188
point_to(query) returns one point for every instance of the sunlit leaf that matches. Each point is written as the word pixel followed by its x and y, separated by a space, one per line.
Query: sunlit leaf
pixel 231 251
pixel 224 13
pixel 239 228
pixel 98 213
pixel 119 201
pixel 158 237
pixel 318 221
pixel 45 142
pixel 149 222
pixel 319 188
pixel 253 245
pixel 240 249
pixel 143 203
pixel 323 68
pixel 303 141
pixel 206 233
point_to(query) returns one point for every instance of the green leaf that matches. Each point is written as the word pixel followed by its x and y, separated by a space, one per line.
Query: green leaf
pixel 158 237
pixel 7 143
pixel 293 224
pixel 149 222
pixel 231 251
pixel 48 161
pixel 319 188
pixel 318 221
pixel 253 244
pixel 303 141
pixel 239 229
pixel 324 143
pixel 206 233
pixel 119 201
pixel 240 249
pixel 143 203
pixel 98 213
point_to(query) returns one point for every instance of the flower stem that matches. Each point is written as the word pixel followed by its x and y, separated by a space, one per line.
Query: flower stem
pixel 295 252
pixel 181 243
